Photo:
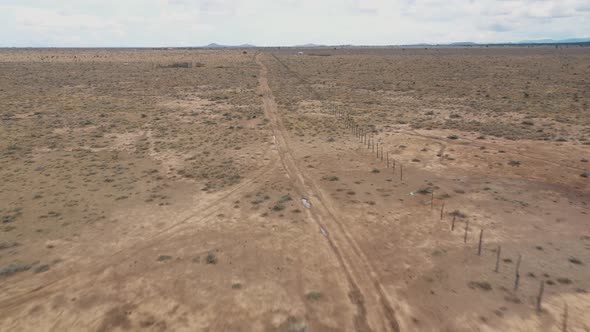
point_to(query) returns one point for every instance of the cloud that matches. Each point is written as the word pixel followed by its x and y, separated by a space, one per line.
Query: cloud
pixel 286 22
pixel 498 27
pixel 40 19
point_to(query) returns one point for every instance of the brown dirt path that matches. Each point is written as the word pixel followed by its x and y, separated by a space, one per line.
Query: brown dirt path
pixel 367 293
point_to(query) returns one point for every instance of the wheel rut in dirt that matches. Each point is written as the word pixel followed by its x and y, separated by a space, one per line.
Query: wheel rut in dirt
pixel 366 291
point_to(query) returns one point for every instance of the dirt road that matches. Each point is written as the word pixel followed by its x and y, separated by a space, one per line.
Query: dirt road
pixel 374 309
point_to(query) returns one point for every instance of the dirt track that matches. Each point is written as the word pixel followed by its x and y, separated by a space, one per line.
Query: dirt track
pixel 366 292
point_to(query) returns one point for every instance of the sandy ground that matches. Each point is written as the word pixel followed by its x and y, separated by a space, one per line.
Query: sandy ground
pixel 242 194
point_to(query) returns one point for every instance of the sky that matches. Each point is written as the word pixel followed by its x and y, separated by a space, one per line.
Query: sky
pixel 162 23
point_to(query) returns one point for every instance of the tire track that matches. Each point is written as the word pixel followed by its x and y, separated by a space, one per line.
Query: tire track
pixel 366 291
pixel 11 303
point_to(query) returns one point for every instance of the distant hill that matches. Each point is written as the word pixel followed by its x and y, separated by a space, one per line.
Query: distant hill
pixel 310 45
pixel 524 42
pixel 462 44
pixel 553 41
pixel 215 45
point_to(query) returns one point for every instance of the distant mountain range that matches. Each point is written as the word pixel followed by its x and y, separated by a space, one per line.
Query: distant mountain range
pixel 214 45
pixel 524 42
pixel 559 41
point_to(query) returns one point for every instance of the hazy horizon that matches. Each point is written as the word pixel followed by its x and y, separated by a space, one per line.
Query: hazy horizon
pixel 193 23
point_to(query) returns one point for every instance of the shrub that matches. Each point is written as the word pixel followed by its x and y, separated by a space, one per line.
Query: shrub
pixel 14 268
pixel 483 285
pixel 459 214
pixel 514 163
pixel 424 190
pixel 313 296
pixel 278 207
pixel 42 268
pixel 211 258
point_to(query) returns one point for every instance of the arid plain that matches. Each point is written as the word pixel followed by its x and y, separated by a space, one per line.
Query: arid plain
pixel 353 189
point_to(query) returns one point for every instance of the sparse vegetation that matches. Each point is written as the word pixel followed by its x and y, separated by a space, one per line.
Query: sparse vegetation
pixel 313 296
pixel 459 214
pixel 483 285
pixel 280 204
pixel 41 268
pixel 211 258
pixel 514 163
pixel 113 154
pixel 13 269
pixel 424 190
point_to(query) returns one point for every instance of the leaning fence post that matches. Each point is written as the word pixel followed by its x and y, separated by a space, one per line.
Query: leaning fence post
pixel 480 239
pixel 517 273
pixel 498 259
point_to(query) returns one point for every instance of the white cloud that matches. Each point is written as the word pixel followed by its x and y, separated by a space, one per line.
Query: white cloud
pixel 284 22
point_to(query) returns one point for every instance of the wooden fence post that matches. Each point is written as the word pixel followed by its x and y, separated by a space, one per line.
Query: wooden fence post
pixel 517 273
pixel 498 259
pixel 480 240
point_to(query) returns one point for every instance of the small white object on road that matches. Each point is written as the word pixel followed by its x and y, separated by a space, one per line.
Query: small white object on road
pixel 324 232
pixel 306 203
